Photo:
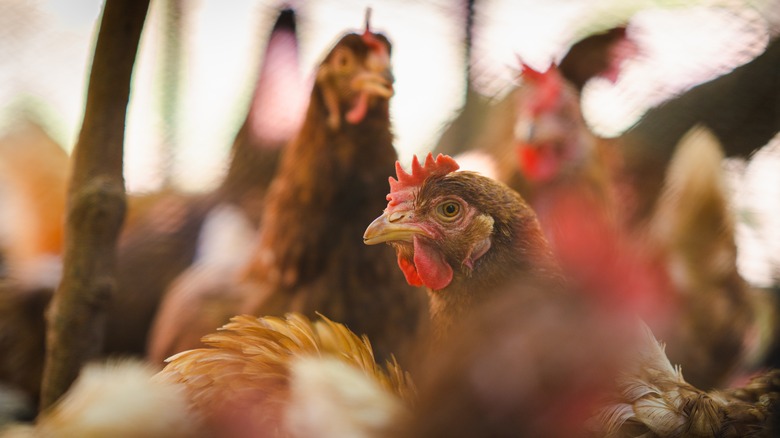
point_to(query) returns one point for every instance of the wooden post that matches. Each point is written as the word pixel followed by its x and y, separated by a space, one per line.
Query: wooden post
pixel 96 204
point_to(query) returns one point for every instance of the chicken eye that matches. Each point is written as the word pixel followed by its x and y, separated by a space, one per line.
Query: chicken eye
pixel 449 209
pixel 342 60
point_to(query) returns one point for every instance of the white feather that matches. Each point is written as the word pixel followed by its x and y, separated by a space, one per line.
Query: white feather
pixel 332 399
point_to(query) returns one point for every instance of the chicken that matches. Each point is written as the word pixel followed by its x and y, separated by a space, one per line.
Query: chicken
pixel 676 268
pixel 329 184
pixel 457 233
pixel 436 219
pixel 721 326
pixel 654 400
pixel 160 236
pixel 34 173
pixel 484 122
pixel 240 381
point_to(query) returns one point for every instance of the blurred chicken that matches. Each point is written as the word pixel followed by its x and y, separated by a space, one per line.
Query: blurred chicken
pixel 117 399
pixel 240 382
pixel 724 327
pixel 34 172
pixel 483 120
pixel 330 183
pixel 160 236
pixel 676 268
pixel 654 400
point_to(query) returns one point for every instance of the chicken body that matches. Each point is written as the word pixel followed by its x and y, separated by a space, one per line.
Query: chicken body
pixel 654 400
pixel 330 183
pixel 240 381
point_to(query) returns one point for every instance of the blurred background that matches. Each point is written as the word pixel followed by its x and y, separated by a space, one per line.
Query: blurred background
pixel 199 60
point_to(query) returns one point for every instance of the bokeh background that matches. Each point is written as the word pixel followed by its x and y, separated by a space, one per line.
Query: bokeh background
pixel 199 59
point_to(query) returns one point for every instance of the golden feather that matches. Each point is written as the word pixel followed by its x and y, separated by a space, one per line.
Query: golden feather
pixel 247 362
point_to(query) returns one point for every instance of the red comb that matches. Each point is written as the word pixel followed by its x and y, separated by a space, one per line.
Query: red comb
pixel 549 85
pixel 400 188
pixel 368 37
pixel 531 74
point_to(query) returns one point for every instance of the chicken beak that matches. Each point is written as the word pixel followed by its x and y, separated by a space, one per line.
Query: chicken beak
pixel 374 84
pixel 391 227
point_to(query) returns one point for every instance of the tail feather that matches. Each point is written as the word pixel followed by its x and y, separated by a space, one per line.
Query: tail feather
pixel 693 221
pixel 692 232
pixel 653 399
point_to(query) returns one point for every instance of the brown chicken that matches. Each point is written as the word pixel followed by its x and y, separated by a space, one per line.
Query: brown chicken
pixel 437 221
pixel 654 400
pixel 677 268
pixel 330 183
pixel 461 235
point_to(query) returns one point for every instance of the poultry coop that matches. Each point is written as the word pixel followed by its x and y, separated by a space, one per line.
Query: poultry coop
pixel 196 78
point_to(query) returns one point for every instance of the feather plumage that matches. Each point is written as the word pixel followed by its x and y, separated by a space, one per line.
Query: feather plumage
pixel 243 375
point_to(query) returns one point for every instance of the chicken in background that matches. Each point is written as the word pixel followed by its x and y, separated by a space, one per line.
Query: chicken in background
pixel 308 256
pixel 680 278
pixel 160 236
pixel 484 122
pixel 677 269
pixel 34 173
pixel 725 328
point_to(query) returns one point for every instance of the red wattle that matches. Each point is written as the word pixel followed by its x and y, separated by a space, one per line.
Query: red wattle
pixel 537 163
pixel 430 265
pixel 410 272
pixel 358 112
